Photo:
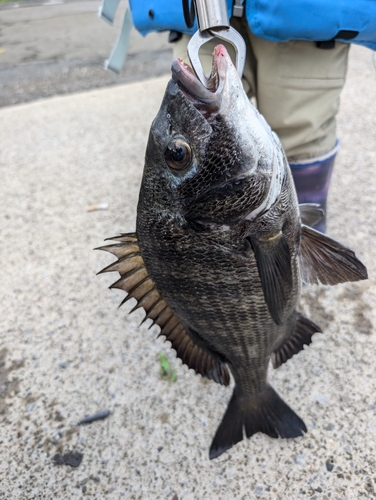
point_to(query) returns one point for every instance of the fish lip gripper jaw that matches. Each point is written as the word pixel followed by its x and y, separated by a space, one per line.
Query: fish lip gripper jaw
pixel 213 22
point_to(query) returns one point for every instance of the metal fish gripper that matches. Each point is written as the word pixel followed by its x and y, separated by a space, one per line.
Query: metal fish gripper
pixel 213 22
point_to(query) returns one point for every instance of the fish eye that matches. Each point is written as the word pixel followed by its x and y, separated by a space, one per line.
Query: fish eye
pixel 178 154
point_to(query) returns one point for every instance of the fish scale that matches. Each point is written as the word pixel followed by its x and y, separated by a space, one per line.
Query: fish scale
pixel 221 247
pixel 217 317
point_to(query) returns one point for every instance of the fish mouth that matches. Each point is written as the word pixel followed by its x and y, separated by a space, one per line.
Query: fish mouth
pixel 208 100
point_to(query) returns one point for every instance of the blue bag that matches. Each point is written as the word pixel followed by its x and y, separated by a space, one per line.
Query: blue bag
pixel 351 21
pixel 314 20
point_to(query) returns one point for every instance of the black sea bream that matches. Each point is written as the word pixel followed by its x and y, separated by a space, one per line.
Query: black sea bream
pixel 221 247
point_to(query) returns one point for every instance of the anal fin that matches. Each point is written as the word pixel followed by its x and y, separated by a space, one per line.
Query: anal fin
pixel 134 280
pixel 263 412
pixel 301 335
pixel 326 261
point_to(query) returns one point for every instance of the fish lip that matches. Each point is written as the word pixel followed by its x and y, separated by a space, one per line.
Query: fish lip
pixel 207 99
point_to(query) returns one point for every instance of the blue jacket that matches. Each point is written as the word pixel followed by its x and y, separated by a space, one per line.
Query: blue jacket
pixel 352 21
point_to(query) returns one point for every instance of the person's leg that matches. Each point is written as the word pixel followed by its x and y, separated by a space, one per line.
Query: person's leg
pixel 298 90
pixel 312 180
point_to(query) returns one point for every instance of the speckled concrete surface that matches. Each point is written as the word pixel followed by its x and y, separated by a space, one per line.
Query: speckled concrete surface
pixel 67 351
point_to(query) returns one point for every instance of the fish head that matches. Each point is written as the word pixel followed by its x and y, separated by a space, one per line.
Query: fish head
pixel 211 156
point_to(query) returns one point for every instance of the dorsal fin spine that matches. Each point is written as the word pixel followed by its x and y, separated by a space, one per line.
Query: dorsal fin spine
pixel 126 276
pixel 137 283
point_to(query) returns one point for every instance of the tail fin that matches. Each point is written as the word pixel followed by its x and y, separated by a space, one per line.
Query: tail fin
pixel 264 412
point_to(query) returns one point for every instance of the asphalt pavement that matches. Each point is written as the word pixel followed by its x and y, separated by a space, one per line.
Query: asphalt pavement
pixel 60 47
pixel 67 351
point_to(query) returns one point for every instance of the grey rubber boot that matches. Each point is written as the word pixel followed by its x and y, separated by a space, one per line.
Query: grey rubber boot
pixel 312 180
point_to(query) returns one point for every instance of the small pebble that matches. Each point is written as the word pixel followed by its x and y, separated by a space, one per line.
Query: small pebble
pixel 329 465
pixel 72 458
pixel 100 415
pixel 299 459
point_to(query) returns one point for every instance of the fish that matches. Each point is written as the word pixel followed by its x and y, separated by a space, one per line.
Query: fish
pixel 221 248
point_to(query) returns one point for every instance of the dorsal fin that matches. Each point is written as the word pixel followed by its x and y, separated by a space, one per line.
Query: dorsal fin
pixel 134 280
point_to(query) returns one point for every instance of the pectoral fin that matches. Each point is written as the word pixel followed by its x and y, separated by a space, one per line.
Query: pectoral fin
pixel 135 280
pixel 274 267
pixel 326 261
pixel 310 213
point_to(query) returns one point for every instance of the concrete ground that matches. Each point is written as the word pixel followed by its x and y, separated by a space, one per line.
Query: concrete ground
pixel 66 351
